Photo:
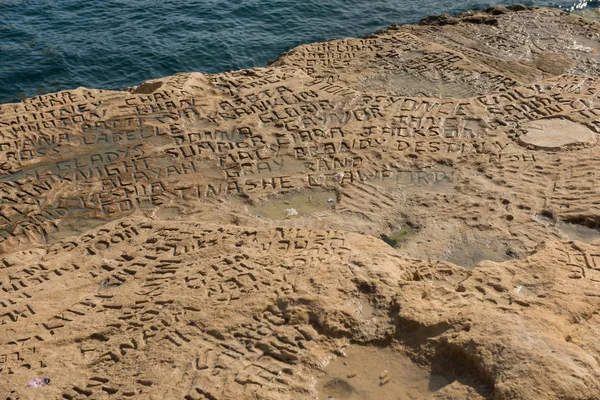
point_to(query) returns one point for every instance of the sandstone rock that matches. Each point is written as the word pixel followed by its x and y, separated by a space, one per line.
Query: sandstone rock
pixel 445 182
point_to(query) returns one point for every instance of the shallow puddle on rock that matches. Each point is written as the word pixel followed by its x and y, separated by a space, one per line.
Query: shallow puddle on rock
pixel 579 232
pixel 302 203
pixel 573 231
pixel 373 373
pixel 470 251
pixel 469 255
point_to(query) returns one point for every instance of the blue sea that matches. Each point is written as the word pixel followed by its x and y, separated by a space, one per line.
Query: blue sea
pixel 50 45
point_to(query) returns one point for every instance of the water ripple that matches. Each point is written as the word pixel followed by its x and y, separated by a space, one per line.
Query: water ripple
pixel 47 45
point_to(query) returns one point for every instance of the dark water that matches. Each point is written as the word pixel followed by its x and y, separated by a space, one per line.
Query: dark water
pixel 49 45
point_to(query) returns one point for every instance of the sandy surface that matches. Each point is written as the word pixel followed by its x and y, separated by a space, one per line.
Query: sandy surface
pixel 409 215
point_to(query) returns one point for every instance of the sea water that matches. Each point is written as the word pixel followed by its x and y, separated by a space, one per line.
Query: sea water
pixel 50 45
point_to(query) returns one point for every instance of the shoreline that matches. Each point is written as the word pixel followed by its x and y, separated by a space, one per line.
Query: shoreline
pixel 414 213
pixel 433 19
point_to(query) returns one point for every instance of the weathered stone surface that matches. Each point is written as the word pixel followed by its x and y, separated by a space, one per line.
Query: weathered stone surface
pixel 219 236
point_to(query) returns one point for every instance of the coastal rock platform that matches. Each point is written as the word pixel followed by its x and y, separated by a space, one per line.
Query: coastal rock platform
pixel 412 214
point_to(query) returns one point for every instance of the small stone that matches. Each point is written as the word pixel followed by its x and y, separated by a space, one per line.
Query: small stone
pixel 339 176
pixel 290 212
pixel 38 382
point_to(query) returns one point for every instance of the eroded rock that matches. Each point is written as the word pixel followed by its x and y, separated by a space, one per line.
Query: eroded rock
pixel 149 250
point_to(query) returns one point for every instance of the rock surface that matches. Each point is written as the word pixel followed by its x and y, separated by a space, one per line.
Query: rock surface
pixel 423 201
